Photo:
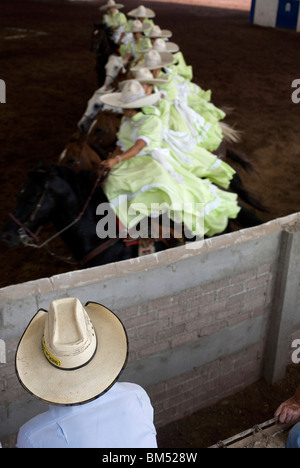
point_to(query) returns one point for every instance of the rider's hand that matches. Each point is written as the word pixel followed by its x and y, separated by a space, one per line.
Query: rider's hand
pixel 110 163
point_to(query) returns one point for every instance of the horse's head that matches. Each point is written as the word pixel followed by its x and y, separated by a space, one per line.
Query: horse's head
pixel 102 39
pixel 113 67
pixel 34 208
pixel 78 154
pixel 94 106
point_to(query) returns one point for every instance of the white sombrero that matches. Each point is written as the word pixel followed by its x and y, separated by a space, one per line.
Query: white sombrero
pixel 141 12
pixel 162 46
pixel 71 354
pixel 154 59
pixel 138 26
pixel 145 76
pixel 157 32
pixel 111 4
pixel 132 96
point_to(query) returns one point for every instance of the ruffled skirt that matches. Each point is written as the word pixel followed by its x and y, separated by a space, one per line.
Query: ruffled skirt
pixel 150 185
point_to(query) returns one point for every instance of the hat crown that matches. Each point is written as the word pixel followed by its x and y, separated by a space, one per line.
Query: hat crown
pixel 69 338
pixel 160 45
pixel 153 58
pixel 156 31
pixel 137 25
pixel 111 3
pixel 141 11
pixel 144 74
pixel 132 91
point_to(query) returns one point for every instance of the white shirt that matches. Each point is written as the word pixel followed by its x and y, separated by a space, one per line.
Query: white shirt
pixel 121 418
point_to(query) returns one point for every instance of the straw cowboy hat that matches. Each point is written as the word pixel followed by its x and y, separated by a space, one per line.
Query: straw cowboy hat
pixel 141 12
pixel 157 32
pixel 111 4
pixel 71 354
pixel 138 26
pixel 154 59
pixel 145 76
pixel 132 96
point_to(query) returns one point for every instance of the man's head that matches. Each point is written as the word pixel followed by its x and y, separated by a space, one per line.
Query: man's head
pixel 71 354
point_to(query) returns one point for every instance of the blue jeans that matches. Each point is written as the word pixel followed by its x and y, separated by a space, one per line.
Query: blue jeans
pixel 294 437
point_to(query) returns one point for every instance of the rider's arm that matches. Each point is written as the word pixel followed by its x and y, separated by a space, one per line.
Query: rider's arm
pixel 121 157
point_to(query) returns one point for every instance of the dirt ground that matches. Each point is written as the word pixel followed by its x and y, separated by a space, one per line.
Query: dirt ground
pixel 49 75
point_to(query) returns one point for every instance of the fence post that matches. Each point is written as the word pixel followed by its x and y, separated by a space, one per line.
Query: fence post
pixel 2 352
pixel 2 92
pixel 284 305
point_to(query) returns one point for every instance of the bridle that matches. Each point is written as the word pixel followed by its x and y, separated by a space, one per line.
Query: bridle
pixel 31 239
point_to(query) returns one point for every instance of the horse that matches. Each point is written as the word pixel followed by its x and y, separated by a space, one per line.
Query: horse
pixel 56 194
pixel 103 46
pixel 110 68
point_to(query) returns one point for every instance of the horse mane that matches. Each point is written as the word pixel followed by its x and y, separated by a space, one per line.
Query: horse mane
pixel 81 183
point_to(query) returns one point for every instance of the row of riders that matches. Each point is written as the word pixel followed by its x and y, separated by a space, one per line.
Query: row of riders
pixel 168 133
pixel 151 146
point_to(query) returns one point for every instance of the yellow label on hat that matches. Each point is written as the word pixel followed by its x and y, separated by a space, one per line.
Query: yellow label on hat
pixel 52 359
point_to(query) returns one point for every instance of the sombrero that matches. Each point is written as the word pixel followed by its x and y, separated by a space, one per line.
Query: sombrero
pixel 138 26
pixel 162 46
pixel 141 12
pixel 144 75
pixel 71 354
pixel 154 59
pixel 132 96
pixel 157 32
pixel 111 4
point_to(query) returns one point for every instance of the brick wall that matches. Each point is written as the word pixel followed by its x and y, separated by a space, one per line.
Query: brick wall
pixel 171 321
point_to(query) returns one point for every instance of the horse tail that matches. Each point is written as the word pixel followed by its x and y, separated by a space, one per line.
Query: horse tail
pixel 230 134
pixel 238 187
pixel 240 159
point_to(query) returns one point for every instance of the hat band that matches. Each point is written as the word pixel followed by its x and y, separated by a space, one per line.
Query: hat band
pixel 57 363
pixel 135 97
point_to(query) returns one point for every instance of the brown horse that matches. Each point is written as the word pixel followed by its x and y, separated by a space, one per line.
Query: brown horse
pixel 85 151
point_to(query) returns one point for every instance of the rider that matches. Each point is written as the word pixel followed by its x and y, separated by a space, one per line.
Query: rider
pixel 114 19
pixel 133 49
pixel 143 14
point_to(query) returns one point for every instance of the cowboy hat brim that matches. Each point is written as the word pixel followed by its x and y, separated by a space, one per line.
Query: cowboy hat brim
pixel 154 81
pixel 166 60
pixel 164 33
pixel 118 6
pixel 73 387
pixel 115 100
pixel 171 47
pixel 135 13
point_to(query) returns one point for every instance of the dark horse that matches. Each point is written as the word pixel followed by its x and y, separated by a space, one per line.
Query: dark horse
pixel 71 201
pixel 55 194
pixel 103 46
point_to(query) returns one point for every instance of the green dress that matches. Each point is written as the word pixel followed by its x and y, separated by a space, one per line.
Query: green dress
pixel 187 153
pixel 153 182
pixel 135 48
pixel 208 134
pixel 115 20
